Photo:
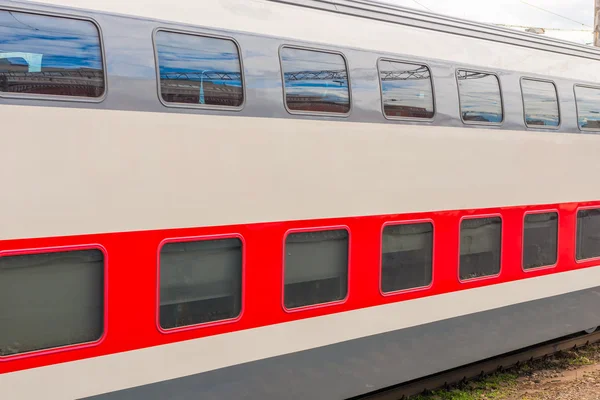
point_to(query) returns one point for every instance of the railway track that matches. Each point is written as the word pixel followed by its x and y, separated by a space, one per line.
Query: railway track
pixel 482 368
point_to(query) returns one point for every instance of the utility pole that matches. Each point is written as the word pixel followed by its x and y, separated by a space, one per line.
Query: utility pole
pixel 597 23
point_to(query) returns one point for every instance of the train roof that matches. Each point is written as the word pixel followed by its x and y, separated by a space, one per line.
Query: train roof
pixel 257 16
pixel 387 12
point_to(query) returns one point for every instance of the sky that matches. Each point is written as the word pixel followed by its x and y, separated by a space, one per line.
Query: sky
pixel 567 16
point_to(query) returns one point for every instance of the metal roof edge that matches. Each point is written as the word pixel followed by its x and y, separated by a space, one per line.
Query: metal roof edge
pixel 391 13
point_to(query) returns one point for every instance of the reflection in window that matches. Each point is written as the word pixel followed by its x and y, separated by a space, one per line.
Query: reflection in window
pixel 199 70
pixel 540 240
pixel 406 89
pixel 588 107
pixel 200 282
pixel 50 300
pixel 316 267
pixel 541 103
pixel 315 81
pixel 480 99
pixel 407 253
pixel 49 55
pixel 588 234
pixel 480 246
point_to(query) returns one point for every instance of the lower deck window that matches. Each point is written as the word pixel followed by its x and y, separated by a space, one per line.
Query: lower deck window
pixel 316 267
pixel 540 240
pixel 50 300
pixel 200 282
pixel 588 234
pixel 407 253
pixel 480 247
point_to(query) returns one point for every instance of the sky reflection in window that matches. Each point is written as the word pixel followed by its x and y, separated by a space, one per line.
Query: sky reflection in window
pixel 199 70
pixel 406 89
pixel 49 55
pixel 480 99
pixel 541 103
pixel 315 81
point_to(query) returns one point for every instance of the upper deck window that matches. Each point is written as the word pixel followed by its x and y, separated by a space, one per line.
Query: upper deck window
pixel 407 91
pixel 588 107
pixel 540 101
pixel 199 70
pixel 44 55
pixel 315 81
pixel 480 98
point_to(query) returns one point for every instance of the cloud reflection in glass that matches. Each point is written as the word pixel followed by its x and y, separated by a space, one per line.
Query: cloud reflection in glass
pixel 315 81
pixel 588 107
pixel 541 103
pixel 480 99
pixel 49 55
pixel 407 90
pixel 199 70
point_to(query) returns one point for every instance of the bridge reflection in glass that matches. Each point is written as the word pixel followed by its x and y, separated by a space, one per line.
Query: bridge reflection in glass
pixel 480 98
pixel 541 103
pixel 49 55
pixel 407 90
pixel 588 107
pixel 199 70
pixel 315 81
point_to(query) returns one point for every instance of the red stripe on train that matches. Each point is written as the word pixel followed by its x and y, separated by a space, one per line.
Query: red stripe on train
pixel 131 313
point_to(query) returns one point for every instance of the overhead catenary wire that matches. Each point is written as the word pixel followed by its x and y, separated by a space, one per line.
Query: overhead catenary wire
pixel 423 5
pixel 553 13
pixel 546 29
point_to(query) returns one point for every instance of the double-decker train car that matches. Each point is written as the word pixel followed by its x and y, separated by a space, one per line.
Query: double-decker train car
pixel 285 199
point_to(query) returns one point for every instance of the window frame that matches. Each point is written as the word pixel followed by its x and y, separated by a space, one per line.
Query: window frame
pixel 582 260
pixel 186 239
pixel 543 267
pixel 433 257
pixel 502 107
pixel 314 113
pixel 538 127
pixel 575 86
pixel 320 305
pixel 481 216
pixel 198 33
pixel 105 323
pixel 54 97
pixel 411 119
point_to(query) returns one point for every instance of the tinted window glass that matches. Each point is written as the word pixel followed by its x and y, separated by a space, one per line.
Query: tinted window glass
pixel 480 99
pixel 406 90
pixel 50 300
pixel 588 234
pixel 540 238
pixel 199 70
pixel 315 81
pixel 541 103
pixel 480 246
pixel 49 55
pixel 407 253
pixel 200 282
pixel 316 267
pixel 588 107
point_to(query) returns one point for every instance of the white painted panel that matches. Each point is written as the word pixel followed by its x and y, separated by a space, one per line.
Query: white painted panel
pixel 130 171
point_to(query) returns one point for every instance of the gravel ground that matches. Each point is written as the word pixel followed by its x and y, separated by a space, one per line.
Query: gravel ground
pixel 569 375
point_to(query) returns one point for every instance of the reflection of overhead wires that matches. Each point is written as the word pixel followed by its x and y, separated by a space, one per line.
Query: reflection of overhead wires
pixel 404 75
pixel 21 22
pixel 553 13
